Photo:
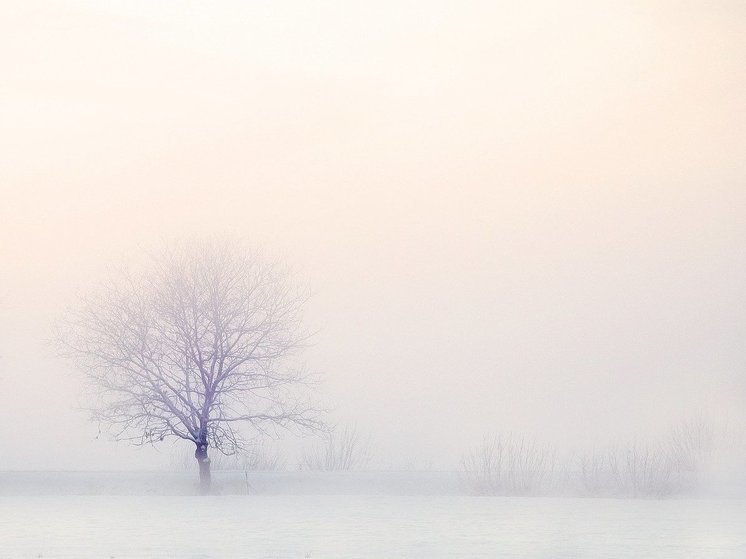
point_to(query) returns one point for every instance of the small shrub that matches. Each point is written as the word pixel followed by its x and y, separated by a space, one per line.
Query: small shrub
pixel 509 466
pixel 343 449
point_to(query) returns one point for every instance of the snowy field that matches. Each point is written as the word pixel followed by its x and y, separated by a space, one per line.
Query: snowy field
pixel 82 527
pixel 383 526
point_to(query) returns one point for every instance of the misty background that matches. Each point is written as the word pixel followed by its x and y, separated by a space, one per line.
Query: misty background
pixel 519 218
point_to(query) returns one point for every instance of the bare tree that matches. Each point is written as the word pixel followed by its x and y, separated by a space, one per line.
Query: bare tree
pixel 342 449
pixel 199 346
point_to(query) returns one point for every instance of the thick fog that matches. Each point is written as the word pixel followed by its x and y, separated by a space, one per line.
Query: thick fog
pixel 515 217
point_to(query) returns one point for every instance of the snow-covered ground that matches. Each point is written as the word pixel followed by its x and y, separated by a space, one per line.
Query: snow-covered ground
pixel 234 482
pixel 383 526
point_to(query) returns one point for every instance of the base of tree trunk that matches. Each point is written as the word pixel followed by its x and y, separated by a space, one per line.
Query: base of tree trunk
pixel 203 460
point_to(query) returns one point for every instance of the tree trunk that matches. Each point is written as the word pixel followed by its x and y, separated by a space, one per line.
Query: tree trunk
pixel 203 461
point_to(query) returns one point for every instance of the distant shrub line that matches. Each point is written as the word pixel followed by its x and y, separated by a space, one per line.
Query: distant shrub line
pixel 511 465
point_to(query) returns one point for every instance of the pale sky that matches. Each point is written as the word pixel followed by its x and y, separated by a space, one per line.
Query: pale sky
pixel 522 216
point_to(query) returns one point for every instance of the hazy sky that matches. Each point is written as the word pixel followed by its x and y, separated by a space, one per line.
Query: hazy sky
pixel 516 215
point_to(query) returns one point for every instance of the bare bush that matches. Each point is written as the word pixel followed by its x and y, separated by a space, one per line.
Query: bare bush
pixel 509 466
pixel 642 470
pixel 259 458
pixel 691 446
pixel 342 449
pixel 594 474
pixel 634 470
pixel 262 459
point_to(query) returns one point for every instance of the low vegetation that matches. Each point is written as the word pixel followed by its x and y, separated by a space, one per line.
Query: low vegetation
pixel 514 465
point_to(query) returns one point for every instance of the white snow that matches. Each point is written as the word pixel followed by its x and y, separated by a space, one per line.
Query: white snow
pixel 368 526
